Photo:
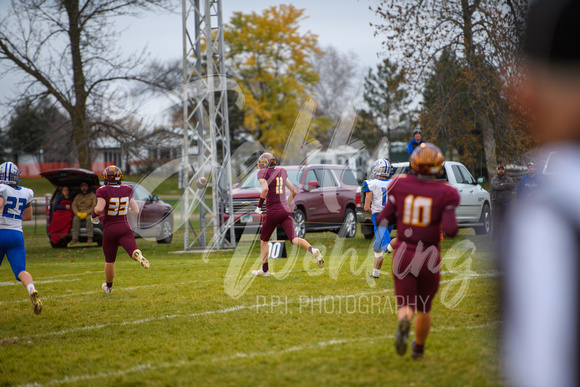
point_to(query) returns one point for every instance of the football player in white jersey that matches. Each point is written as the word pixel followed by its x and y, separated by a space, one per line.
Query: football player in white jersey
pixel 15 207
pixel 375 191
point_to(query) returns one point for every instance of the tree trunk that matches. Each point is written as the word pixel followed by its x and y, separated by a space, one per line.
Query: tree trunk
pixel 488 132
pixel 81 140
pixel 79 114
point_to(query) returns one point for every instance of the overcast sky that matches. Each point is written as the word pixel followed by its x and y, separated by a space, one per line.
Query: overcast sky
pixel 341 23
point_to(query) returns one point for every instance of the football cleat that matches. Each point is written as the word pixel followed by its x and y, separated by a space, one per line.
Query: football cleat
pixel 260 273
pixel 318 257
pixel 9 173
pixel 373 276
pixel 112 175
pixel 416 355
pixel 402 336
pixel 137 256
pixel 107 289
pixel 266 160
pixel 36 303
pixel 427 160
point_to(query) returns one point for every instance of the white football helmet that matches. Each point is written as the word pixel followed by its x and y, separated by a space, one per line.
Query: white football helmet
pixel 9 173
pixel 381 167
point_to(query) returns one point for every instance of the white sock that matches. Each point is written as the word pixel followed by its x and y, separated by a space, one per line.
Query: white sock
pixel 376 272
pixel 389 248
pixel 30 288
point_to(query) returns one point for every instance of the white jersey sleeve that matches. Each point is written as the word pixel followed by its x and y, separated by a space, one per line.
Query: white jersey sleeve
pixel 16 199
pixel 379 188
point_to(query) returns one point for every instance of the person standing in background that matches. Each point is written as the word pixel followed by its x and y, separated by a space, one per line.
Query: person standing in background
pixel 501 198
pixel 529 184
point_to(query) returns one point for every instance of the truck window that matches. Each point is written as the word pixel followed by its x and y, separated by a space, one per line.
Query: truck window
pixel 466 175
pixel 347 177
pixel 310 176
pixel 294 176
pixel 326 178
pixel 458 176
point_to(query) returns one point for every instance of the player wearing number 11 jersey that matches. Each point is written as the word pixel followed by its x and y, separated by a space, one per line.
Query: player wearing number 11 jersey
pixel 115 201
pixel 274 183
pixel 421 206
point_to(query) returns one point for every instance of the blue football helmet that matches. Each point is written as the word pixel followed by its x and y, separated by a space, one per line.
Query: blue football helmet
pixel 9 173
pixel 381 167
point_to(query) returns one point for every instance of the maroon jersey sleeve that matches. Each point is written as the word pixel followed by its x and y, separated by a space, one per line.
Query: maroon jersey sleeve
pixel 262 173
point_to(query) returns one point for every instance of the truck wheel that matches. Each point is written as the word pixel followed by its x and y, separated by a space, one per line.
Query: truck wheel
pixel 299 223
pixel 348 229
pixel 486 220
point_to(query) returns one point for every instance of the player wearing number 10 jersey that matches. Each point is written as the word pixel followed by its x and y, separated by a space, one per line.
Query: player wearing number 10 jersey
pixel 421 206
pixel 115 201
pixel 274 183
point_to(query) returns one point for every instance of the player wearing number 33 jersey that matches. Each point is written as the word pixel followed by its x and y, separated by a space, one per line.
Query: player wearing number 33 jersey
pixel 115 202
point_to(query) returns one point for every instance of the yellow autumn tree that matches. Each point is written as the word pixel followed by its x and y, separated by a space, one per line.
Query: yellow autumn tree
pixel 272 62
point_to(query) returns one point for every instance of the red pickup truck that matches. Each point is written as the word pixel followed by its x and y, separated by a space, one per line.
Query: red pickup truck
pixel 325 201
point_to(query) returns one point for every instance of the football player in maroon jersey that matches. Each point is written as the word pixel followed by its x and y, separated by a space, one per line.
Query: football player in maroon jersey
pixel 115 201
pixel 421 206
pixel 278 210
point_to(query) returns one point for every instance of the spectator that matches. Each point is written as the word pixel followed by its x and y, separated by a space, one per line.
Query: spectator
pixel 416 141
pixel 64 195
pixel 501 198
pixel 62 217
pixel 528 185
pixel 83 205
pixel 541 252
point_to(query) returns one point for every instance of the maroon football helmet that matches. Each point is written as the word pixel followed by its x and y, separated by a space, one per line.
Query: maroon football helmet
pixel 266 160
pixel 427 159
pixel 112 175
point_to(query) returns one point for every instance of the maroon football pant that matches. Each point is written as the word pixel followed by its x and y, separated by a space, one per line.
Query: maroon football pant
pixel 275 219
pixel 118 234
pixel 420 279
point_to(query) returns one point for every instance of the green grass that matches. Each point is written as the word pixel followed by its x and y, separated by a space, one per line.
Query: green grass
pixel 39 185
pixel 175 324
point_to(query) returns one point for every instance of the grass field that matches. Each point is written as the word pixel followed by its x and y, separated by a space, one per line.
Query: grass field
pixel 177 324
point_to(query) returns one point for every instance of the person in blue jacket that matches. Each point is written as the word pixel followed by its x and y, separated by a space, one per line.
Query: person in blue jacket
pixel 416 141
pixel 528 185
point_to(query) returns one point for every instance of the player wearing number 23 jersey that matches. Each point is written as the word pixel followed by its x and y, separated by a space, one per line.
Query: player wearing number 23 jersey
pixel 15 206
pixel 115 202
pixel 422 207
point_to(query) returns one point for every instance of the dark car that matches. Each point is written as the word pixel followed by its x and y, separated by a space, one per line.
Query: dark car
pixel 155 217
pixel 325 201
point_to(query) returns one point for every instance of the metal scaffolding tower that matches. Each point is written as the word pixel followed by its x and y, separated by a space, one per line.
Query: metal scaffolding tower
pixel 206 126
